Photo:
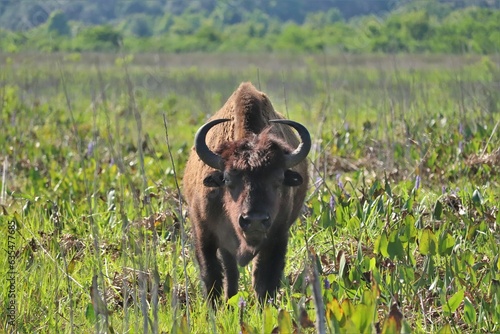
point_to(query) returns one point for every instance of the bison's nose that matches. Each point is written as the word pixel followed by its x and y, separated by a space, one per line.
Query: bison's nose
pixel 255 221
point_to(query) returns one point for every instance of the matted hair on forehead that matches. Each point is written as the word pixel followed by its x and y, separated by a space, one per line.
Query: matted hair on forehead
pixel 261 151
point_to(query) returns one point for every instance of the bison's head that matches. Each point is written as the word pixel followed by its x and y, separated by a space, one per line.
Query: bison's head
pixel 253 172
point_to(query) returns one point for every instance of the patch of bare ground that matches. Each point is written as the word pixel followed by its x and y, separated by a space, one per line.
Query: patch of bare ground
pixel 67 243
pixel 70 244
pixel 158 221
pixel 370 163
pixel 492 160
pixel 124 287
pixel 374 162
pixel 455 206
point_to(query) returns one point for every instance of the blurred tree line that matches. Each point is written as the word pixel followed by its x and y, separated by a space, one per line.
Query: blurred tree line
pixel 357 26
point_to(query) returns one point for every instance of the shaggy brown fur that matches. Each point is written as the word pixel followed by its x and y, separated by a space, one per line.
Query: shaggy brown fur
pixel 254 183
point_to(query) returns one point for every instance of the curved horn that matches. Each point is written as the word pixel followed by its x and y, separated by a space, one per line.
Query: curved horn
pixel 206 155
pixel 304 147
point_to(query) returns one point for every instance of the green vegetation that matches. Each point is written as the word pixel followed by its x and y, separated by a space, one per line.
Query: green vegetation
pixel 400 230
pixel 239 26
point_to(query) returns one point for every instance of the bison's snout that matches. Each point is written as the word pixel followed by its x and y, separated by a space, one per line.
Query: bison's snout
pixel 255 222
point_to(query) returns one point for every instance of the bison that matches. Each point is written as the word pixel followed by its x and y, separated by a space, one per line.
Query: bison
pixel 245 183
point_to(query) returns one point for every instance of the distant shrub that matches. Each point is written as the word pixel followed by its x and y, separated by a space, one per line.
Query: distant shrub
pixel 58 24
pixel 98 38
pixel 139 25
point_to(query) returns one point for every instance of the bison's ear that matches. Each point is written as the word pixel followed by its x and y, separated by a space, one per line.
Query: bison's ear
pixel 292 179
pixel 214 180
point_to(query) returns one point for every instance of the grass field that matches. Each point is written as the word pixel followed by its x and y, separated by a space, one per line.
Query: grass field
pixel 400 231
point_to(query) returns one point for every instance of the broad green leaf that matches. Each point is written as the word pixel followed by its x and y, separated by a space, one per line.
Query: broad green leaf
pixel 268 319
pixel 373 264
pixel 333 325
pixel 326 221
pixel 17 218
pixel 339 216
pixel 407 329
pixel 362 318
pixel 350 327
pixel 445 330
pixel 407 273
pixel 89 313
pixel 348 308
pixel 375 189
pixel 410 231
pixel 438 210
pixel 234 301
pixel 409 204
pixel 494 289
pixel 446 244
pixel 368 298
pixel 71 266
pixel 354 223
pixel 469 312
pixel 471 230
pixel 395 247
pixel 381 245
pixel 285 322
pixel 334 309
pixel 428 242
pixel 454 302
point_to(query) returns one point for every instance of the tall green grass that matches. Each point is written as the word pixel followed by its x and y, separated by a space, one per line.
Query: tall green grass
pixel 399 231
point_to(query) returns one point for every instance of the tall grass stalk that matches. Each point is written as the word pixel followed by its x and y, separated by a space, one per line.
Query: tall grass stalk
pixel 94 228
pixel 143 279
pixel 3 191
pixel 118 160
pixel 182 226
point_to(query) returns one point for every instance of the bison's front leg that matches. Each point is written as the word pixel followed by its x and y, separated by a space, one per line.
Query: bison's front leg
pixel 210 266
pixel 268 266
pixel 231 273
